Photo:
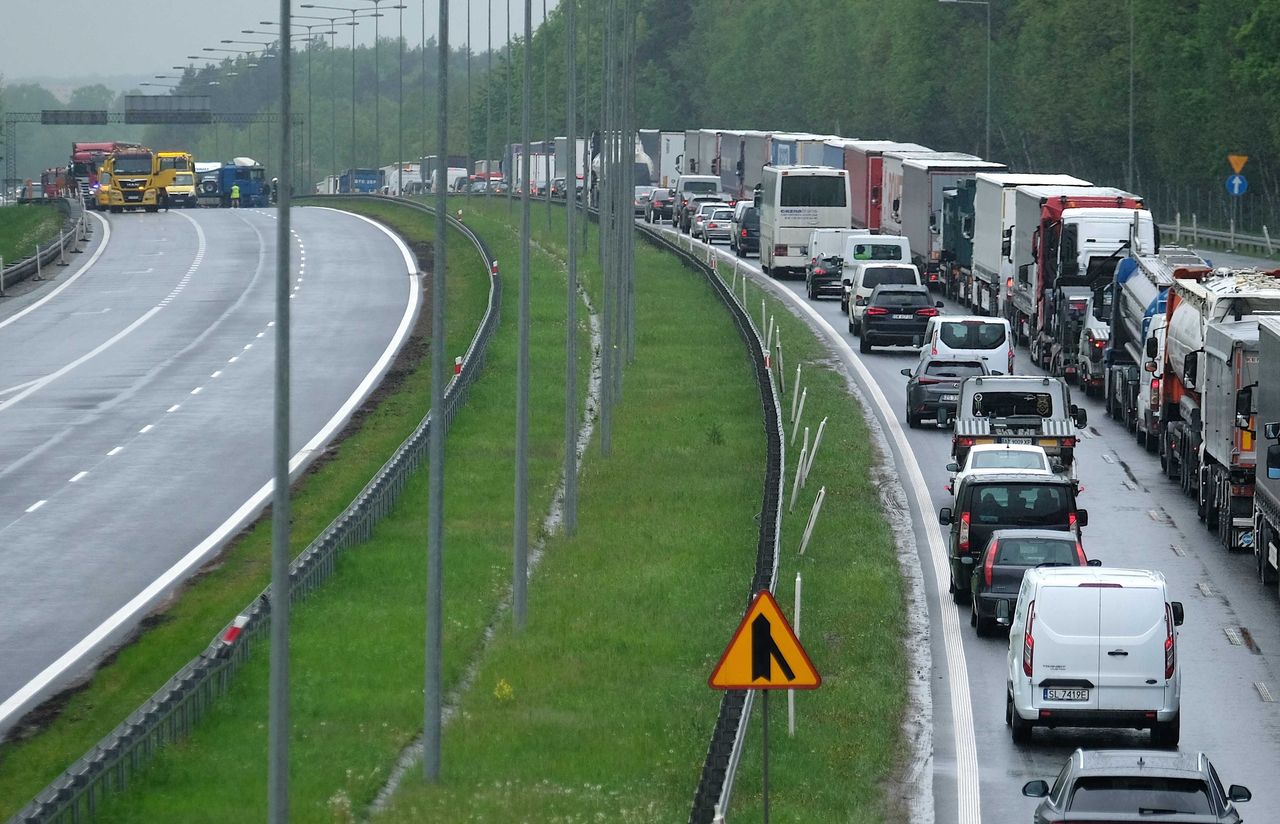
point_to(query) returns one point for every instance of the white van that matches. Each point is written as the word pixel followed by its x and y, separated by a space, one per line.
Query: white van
pixel 971 336
pixel 825 243
pixel 864 276
pixel 862 246
pixel 1094 647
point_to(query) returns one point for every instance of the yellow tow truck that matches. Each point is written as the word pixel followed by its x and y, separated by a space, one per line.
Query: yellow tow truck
pixel 175 172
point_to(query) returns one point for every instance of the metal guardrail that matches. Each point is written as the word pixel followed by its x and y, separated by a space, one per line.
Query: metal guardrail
pixel 719 769
pixel 175 709
pixel 75 230
pixel 1230 239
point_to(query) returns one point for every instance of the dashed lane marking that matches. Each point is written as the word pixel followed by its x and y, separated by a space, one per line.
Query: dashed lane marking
pixel 144 430
pixel 76 477
pixel 174 408
pixel 37 505
pixel 115 451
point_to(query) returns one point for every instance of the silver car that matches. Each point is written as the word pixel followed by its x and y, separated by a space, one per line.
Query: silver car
pixel 705 210
pixel 718 226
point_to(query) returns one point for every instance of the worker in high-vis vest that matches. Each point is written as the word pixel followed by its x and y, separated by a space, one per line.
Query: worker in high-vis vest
pixel 235 195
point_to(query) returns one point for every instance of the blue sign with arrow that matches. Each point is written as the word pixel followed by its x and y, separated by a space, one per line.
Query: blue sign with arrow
pixel 1237 185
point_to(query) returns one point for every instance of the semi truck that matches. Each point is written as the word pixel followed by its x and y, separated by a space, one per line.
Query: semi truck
pixel 1131 380
pixel 125 181
pixel 689 162
pixel 912 207
pixel 1211 356
pixel 1266 490
pixel 993 213
pixel 864 160
pixel 85 167
pixel 957 237
pixel 175 172
pixel 1065 242
pixel 670 158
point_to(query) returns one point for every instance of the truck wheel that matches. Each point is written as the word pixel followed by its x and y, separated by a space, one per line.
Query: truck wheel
pixel 1166 734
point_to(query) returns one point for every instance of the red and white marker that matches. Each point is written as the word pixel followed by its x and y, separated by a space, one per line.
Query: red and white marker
pixel 457 366
pixel 493 270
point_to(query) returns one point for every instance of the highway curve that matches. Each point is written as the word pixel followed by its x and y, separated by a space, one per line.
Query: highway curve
pixel 1229 646
pixel 135 400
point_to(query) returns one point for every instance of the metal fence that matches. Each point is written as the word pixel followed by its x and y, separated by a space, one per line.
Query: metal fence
pixel 172 712
pixel 719 769
pixel 75 230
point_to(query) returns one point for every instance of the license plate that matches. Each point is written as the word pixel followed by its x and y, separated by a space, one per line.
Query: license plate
pixel 1020 441
pixel 950 398
pixel 1054 694
pixel 903 317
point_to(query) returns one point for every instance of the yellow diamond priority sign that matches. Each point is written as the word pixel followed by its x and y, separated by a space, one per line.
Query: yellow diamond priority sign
pixel 1237 162
pixel 764 653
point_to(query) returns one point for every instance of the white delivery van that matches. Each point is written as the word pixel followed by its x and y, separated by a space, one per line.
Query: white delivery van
pixel 826 243
pixel 863 246
pixel 971 336
pixel 1094 647
pixel 864 276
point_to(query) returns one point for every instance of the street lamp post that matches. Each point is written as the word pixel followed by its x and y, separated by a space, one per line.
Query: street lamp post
pixel 353 23
pixel 310 42
pixel 986 3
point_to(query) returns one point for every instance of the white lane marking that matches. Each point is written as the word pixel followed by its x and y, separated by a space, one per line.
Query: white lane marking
pixel 174 408
pixel 139 272
pixel 260 334
pixel 144 430
pixel 216 373
pixel 968 791
pixel 78 476
pixel 233 359
pixel 19 387
pixel 248 346
pixel 36 505
pixel 197 390
pixel 271 323
pixel 115 451
pixel 88 264
pixel 17 702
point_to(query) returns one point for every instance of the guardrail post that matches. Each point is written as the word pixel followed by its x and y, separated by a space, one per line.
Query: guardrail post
pixel 1195 230
pixel 38 274
pixel 1267 235
pixel 1177 226
pixel 62 249
pixel 1231 244
pixel 2 276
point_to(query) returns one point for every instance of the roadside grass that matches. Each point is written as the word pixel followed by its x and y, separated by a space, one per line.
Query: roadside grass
pixel 357 644
pixel 22 226
pixel 600 709
pixel 187 624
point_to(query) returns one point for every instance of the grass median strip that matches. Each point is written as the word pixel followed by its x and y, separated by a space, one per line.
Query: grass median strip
pixel 22 226
pixel 184 628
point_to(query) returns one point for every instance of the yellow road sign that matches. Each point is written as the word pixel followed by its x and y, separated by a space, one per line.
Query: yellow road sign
pixel 764 653
pixel 1237 162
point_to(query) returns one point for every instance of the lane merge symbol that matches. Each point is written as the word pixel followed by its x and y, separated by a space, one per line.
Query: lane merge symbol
pixel 764 653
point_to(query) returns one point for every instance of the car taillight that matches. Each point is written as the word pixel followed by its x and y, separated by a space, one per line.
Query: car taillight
pixel 1073 523
pixel 963 440
pixel 877 310
pixel 1068 443
pixel 1080 556
pixel 1155 392
pixel 989 564
pixel 1098 344
pixel 1010 361
pixel 927 312
pixel 925 381
pixel 1029 641
pixel 711 226
pixel 1170 650
pixel 819 271
pixel 744 233
pixel 964 531
pixel 780 250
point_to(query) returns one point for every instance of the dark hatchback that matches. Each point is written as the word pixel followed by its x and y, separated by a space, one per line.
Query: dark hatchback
pixel 746 233
pixel 990 501
pixel 935 385
pixel 997 576
pixel 1155 786
pixel 822 277
pixel 896 314
pixel 661 206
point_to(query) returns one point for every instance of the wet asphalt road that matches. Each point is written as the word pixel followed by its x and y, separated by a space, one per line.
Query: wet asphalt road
pixel 1137 519
pixel 136 411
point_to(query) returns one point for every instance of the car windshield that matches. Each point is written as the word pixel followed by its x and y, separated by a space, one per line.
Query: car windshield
pixel 873 276
pixel 912 299
pixel 1006 459
pixel 1020 504
pixel 696 186
pixel 1139 794
pixel 953 369
pixel 1036 551
pixel 877 251
pixel 972 334
pixel 1009 404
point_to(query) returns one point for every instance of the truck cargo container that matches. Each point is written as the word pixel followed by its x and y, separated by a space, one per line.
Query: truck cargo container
pixel 692 144
pixel 755 155
pixel 993 213
pixel 670 158
pixel 863 160
pixel 1266 491
pixel 785 147
pixel 891 176
pixel 709 152
pixel 360 180
pixel 728 155
pixel 957 237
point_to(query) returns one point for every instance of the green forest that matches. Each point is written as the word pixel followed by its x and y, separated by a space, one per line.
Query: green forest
pixel 1205 83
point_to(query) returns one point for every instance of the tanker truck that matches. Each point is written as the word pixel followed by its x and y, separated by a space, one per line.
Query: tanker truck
pixel 1210 371
pixel 1266 491
pixel 1131 381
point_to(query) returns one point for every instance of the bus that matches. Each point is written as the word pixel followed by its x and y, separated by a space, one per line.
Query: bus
pixel 793 201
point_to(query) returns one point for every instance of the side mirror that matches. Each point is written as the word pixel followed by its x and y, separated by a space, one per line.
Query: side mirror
pixel 953 467
pixel 1239 793
pixel 1178 613
pixel 1271 431
pixel 1094 562
pixel 847 282
pixel 1080 416
pixel 1082 517
pixel 1244 403
pixel 1149 366
pixel 1189 364
pixel 938 305
pixel 1057 467
pixel 1035 789
pixel 906 372
pixel 1153 347
pixel 944 516
pixel 1273 461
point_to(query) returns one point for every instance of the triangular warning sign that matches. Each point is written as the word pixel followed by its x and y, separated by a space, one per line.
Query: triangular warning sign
pixel 1237 162
pixel 764 653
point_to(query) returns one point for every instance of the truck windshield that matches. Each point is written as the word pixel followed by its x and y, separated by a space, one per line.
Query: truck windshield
pixel 183 180
pixel 1008 404
pixel 1103 794
pixel 1021 504
pixel 133 165
pixel 813 190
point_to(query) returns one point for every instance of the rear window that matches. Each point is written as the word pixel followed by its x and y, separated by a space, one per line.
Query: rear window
pixel 1132 612
pixel 722 214
pixel 1006 459
pixel 1106 794
pixel 1009 404
pixel 953 369
pixel 972 334
pixel 902 299
pixel 1035 551
pixel 1068 610
pixel 1030 505
pixel 873 276
pixel 814 190
pixel 877 251
pixel 751 218
pixel 700 186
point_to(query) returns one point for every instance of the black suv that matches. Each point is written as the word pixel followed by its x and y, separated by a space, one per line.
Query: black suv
pixel 1137 785
pixel 660 206
pixel 896 314
pixel 822 277
pixel 746 233
pixel 987 501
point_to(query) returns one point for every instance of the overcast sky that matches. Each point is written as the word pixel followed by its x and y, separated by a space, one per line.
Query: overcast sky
pixel 43 38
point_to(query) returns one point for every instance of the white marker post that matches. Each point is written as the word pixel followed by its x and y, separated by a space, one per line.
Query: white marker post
pixel 782 380
pixel 813 518
pixel 795 423
pixel 791 694
pixel 817 439
pixel 795 484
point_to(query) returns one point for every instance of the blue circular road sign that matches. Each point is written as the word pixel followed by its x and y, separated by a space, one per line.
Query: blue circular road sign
pixel 1237 185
